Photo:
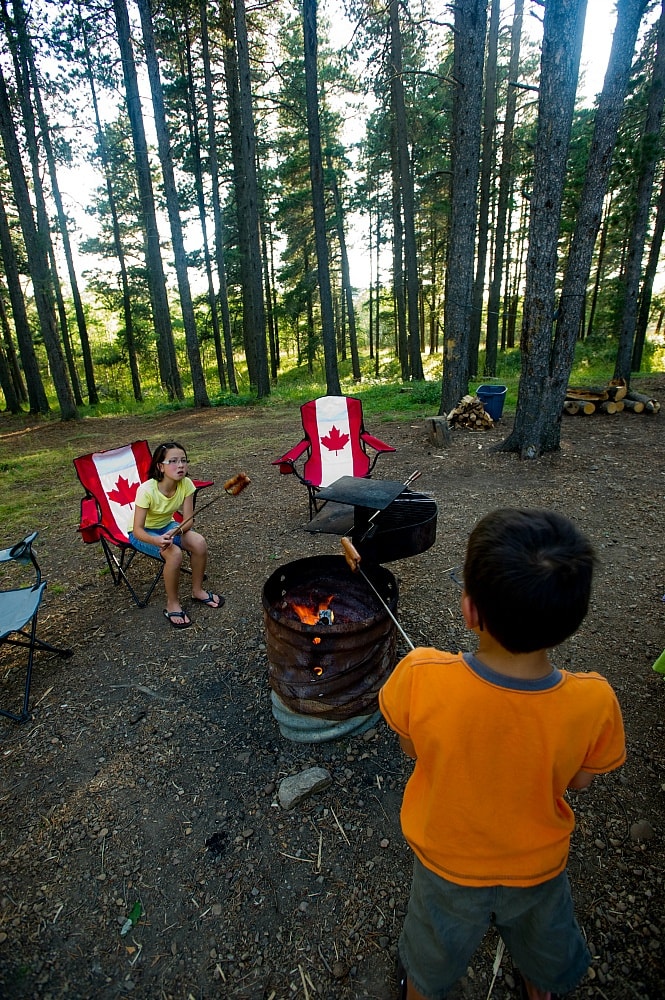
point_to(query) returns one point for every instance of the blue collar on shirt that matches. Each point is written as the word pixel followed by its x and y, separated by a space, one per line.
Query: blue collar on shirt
pixel 513 683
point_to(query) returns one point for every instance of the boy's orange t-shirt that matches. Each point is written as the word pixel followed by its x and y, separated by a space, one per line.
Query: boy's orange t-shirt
pixel 485 804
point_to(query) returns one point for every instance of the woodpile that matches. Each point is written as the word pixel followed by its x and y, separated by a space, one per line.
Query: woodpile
pixel 470 413
pixel 612 398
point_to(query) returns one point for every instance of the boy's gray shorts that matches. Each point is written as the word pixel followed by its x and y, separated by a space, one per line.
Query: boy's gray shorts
pixel 446 922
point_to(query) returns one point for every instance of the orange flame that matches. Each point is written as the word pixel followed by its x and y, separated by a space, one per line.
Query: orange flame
pixel 308 614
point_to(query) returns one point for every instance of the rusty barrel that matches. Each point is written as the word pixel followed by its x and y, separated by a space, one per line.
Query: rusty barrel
pixel 329 671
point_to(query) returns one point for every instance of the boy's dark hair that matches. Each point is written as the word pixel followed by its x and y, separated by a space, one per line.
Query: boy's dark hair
pixel 158 456
pixel 529 575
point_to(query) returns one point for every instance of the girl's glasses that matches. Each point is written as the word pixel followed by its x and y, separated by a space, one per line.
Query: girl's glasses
pixel 176 461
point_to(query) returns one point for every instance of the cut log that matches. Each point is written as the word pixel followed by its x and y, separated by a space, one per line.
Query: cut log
pixel 619 403
pixel 438 431
pixel 608 407
pixel 571 407
pixel 617 389
pixel 470 413
pixel 581 392
pixel 650 405
pixel 633 406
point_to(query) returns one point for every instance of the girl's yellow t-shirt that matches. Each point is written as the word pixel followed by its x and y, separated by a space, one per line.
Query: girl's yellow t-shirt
pixel 160 508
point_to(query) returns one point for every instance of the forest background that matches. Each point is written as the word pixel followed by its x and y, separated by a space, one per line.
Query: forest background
pixel 511 232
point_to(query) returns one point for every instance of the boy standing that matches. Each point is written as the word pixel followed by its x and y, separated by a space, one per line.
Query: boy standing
pixel 498 736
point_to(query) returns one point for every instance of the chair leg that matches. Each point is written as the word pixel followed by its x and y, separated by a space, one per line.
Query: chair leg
pixel 32 643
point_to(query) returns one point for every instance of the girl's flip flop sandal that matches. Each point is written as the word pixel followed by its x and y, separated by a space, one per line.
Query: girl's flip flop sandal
pixel 210 600
pixel 171 615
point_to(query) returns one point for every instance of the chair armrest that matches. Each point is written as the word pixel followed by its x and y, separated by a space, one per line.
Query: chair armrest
pixel 286 462
pixel 375 443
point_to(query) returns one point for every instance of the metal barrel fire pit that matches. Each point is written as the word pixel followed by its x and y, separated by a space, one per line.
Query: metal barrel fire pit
pixel 330 643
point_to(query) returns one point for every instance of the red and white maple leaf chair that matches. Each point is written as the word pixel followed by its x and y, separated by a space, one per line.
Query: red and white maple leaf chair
pixel 336 444
pixel 110 480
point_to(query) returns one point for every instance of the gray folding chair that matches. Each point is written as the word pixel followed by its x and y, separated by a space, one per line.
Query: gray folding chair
pixel 18 616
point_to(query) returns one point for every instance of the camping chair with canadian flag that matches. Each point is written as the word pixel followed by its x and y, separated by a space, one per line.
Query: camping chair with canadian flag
pixel 336 443
pixel 110 480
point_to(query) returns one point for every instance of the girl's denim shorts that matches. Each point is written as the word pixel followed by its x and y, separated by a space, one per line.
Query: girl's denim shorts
pixel 153 550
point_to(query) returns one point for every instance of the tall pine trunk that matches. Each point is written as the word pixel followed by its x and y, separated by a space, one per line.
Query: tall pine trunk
pixel 161 315
pixel 173 207
pixel 470 27
pixel 537 427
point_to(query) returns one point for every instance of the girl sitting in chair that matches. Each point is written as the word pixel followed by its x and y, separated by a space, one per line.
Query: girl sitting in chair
pixel 155 532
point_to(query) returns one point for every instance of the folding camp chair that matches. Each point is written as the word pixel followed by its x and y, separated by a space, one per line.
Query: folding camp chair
pixel 336 443
pixel 110 480
pixel 18 609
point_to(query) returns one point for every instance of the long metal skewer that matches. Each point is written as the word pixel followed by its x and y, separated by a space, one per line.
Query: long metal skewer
pixel 352 557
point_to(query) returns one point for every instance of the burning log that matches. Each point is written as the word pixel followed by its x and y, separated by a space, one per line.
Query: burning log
pixel 470 413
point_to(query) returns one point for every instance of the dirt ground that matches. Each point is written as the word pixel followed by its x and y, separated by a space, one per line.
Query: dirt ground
pixel 150 771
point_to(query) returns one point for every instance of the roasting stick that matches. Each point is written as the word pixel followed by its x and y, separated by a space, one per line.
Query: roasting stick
pixel 352 557
pixel 232 486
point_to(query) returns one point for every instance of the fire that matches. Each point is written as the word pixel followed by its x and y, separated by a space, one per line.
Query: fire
pixel 315 615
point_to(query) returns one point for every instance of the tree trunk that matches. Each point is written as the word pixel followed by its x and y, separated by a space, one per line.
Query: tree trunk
pixel 505 186
pixel 570 317
pixel 347 290
pixel 648 280
pixel 470 27
pixel 195 152
pixel 486 171
pixel 117 240
pixel 398 107
pixel 37 259
pixel 537 427
pixel 172 206
pixel 168 366
pixel 650 148
pixel 399 289
pixel 243 147
pixel 216 205
pixel 26 46
pixel 37 401
pixel 318 198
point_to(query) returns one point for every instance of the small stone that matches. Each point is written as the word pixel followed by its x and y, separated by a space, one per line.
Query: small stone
pixel 385 842
pixel 642 830
pixel 339 970
pixel 298 787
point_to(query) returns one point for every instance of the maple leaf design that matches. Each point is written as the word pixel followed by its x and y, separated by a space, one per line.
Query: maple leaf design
pixel 334 441
pixel 124 492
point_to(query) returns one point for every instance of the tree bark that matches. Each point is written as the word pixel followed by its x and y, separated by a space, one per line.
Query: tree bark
pixel 37 400
pixel 505 185
pixel 37 259
pixel 216 204
pixel 172 206
pixel 168 366
pixel 398 107
pixel 537 427
pixel 26 46
pixel 470 27
pixel 589 213
pixel 486 171
pixel 318 198
pixel 650 150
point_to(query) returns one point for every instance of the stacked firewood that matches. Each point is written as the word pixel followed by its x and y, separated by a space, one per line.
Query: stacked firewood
pixel 470 413
pixel 612 398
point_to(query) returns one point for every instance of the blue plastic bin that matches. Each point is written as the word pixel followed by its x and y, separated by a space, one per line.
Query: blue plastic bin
pixel 492 397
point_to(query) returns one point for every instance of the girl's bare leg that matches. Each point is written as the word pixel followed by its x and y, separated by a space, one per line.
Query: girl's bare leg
pixel 197 547
pixel 172 562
